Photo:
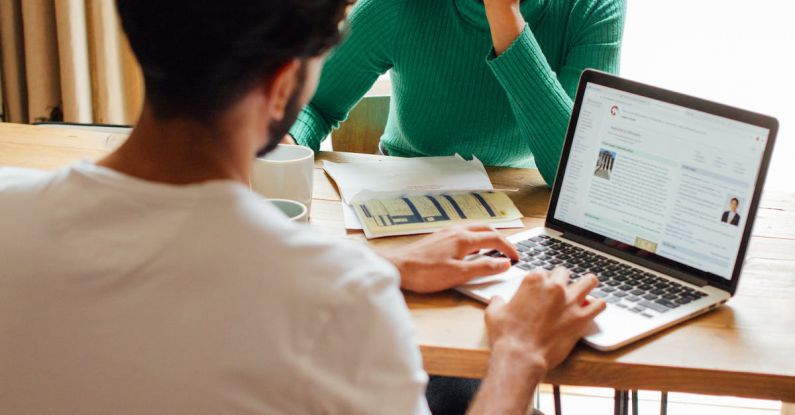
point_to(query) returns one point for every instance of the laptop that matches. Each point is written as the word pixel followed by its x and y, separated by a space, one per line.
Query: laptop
pixel 656 195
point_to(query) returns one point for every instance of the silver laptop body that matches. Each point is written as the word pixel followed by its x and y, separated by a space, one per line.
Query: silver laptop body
pixel 656 194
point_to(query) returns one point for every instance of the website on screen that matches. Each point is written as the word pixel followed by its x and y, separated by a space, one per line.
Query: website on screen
pixel 663 178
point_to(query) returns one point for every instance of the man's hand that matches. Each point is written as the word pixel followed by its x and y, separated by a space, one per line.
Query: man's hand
pixel 545 317
pixel 530 335
pixel 436 262
pixel 506 22
pixel 288 139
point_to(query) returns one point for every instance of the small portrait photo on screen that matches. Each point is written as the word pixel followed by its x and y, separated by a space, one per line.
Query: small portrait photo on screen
pixel 731 213
pixel 604 164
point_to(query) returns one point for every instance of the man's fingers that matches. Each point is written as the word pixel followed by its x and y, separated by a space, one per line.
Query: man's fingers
pixel 496 302
pixel 593 308
pixel 560 275
pixel 482 267
pixel 475 241
pixel 479 228
pixel 529 286
pixel 580 289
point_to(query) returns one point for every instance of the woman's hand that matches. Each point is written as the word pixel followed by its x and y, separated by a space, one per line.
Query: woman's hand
pixel 506 22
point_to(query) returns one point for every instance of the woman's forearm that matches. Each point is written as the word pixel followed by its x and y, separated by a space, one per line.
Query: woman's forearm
pixel 505 22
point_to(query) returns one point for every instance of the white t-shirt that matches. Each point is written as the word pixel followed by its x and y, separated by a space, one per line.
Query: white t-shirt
pixel 121 296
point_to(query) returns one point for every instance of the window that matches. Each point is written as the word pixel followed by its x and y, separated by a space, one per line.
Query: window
pixel 732 51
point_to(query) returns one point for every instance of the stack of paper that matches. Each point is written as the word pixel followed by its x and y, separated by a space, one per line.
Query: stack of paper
pixel 382 180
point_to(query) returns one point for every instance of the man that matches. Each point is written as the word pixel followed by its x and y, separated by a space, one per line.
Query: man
pixel 731 216
pixel 154 281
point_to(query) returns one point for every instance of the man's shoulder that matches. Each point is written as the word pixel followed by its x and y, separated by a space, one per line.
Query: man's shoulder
pixel 304 251
pixel 15 177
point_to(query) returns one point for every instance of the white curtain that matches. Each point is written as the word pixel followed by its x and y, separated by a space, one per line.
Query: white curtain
pixel 66 60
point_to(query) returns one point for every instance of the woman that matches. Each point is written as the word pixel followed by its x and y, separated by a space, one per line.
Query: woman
pixel 490 78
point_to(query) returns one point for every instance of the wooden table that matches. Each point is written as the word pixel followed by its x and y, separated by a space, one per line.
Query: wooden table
pixel 746 348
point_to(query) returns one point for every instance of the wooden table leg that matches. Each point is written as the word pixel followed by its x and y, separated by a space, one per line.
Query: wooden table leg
pixel 787 408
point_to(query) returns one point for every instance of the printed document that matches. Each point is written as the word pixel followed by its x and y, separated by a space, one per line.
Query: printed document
pixel 420 175
pixel 425 213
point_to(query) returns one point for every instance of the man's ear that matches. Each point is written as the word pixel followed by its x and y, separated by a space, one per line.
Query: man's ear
pixel 281 87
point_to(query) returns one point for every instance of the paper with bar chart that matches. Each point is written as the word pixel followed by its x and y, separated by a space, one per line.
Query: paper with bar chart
pixel 390 215
pixel 392 177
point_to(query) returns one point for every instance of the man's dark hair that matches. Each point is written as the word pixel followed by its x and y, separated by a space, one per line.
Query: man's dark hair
pixel 200 56
pixel 735 200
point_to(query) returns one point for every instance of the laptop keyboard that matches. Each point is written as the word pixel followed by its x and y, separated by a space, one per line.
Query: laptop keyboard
pixel 621 285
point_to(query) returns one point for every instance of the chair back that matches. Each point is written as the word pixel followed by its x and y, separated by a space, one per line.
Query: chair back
pixel 362 131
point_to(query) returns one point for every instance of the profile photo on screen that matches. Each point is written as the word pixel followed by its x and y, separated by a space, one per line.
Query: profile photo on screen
pixel 731 216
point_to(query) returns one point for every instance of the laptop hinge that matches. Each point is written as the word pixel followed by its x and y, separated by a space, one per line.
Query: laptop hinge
pixel 692 279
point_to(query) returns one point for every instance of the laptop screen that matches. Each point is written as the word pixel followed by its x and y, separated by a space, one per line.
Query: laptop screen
pixel 662 178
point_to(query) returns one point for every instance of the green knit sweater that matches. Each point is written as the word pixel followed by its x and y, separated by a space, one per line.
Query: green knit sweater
pixel 450 93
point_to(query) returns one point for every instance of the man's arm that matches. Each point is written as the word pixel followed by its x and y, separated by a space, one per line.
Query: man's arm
pixel 350 71
pixel 367 358
pixel 530 335
pixel 438 262
pixel 509 384
pixel 541 98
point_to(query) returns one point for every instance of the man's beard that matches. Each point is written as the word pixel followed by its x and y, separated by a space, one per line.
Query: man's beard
pixel 279 129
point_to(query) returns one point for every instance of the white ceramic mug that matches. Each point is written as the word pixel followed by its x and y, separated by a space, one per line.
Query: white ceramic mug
pixel 296 211
pixel 285 173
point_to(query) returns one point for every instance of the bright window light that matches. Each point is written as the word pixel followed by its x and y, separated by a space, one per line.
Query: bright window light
pixel 736 52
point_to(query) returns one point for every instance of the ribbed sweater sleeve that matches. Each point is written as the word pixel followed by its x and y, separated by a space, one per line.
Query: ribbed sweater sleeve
pixel 541 99
pixel 350 70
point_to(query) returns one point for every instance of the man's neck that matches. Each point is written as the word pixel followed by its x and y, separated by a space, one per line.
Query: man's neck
pixel 183 151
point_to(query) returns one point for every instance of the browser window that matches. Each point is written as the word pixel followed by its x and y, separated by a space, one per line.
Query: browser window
pixel 664 178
